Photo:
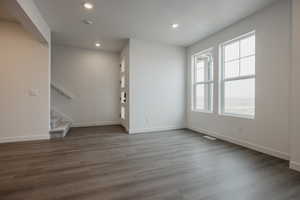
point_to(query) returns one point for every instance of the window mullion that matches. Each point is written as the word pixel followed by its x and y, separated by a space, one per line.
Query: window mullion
pixel 195 84
pixel 240 58
pixel 204 82
pixel 194 96
pixel 223 81
pixel 239 78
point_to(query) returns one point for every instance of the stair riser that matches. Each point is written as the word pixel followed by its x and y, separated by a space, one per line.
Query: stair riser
pixel 57 135
pixel 60 133
pixel 55 124
pixel 59 125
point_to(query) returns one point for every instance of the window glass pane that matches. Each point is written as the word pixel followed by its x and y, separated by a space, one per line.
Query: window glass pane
pixel 123 65
pixel 248 66
pixel 200 70
pixel 209 91
pixel 199 100
pixel 232 51
pixel 123 97
pixel 123 82
pixel 232 69
pixel 240 97
pixel 123 113
pixel 204 68
pixel 210 71
pixel 248 46
pixel 204 97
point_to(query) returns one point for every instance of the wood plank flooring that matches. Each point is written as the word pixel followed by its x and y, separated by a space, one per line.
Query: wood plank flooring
pixel 104 163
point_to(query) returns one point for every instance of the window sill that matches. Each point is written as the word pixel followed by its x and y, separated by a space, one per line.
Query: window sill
pixel 202 111
pixel 250 117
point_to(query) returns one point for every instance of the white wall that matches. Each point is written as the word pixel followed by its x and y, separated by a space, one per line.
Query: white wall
pixel 295 83
pixel 93 79
pixel 269 132
pixel 157 86
pixel 24 66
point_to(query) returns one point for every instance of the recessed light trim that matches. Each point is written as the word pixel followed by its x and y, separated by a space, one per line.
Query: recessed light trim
pixel 175 26
pixel 88 5
pixel 97 44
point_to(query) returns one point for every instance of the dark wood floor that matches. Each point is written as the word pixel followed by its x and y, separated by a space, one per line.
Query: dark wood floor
pixel 104 163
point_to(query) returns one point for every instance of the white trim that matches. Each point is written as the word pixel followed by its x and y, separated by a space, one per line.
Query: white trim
pixel 24 138
pixel 202 111
pixel 156 129
pixel 204 82
pixel 243 36
pixel 240 116
pixel 208 50
pixel 295 165
pixel 237 78
pixel 90 124
pixel 259 148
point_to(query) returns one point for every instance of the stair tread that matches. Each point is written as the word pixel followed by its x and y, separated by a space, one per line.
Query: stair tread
pixel 62 126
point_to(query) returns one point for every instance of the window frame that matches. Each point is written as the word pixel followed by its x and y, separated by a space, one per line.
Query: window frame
pixel 223 80
pixel 209 104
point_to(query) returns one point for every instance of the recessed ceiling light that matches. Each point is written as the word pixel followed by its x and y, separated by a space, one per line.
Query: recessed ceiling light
pixel 97 44
pixel 87 21
pixel 88 5
pixel 175 26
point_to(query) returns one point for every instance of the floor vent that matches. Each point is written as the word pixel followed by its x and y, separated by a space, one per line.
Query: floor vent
pixel 209 138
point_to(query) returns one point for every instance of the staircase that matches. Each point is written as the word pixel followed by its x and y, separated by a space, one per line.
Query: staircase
pixel 60 125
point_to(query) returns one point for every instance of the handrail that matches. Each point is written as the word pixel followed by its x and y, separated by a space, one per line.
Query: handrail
pixel 55 111
pixel 62 90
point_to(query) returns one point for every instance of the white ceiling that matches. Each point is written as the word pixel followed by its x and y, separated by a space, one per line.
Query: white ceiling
pixel 117 20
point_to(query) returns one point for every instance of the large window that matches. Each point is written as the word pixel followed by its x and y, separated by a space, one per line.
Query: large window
pixel 238 76
pixel 203 82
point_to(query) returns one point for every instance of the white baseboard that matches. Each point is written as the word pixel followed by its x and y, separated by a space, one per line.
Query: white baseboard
pixel 266 150
pixel 155 129
pixel 90 124
pixel 24 138
pixel 295 166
